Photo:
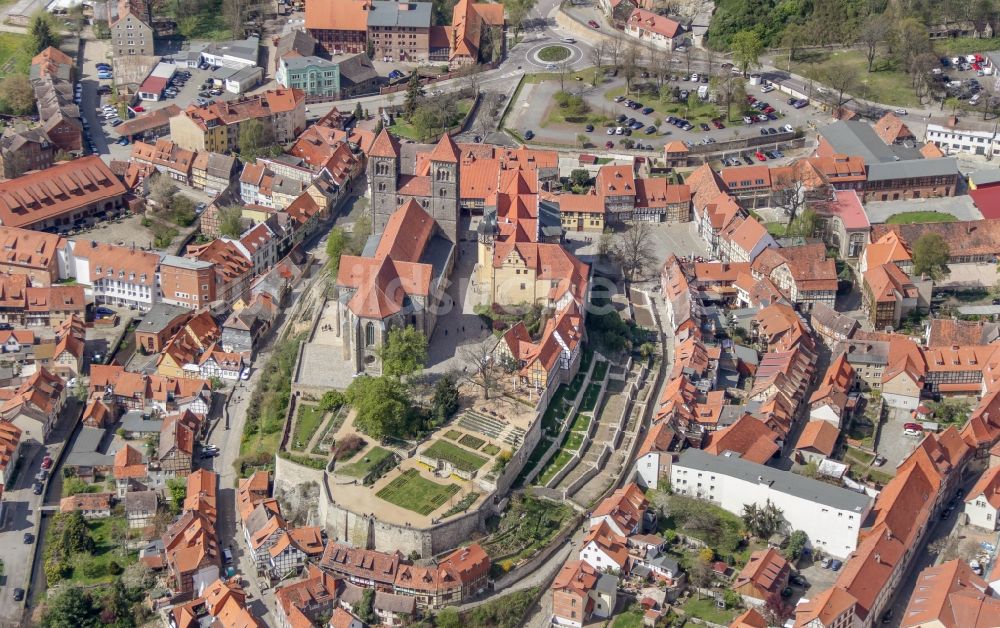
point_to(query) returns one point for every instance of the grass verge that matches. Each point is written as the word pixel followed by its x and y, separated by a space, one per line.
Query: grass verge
pixel 414 492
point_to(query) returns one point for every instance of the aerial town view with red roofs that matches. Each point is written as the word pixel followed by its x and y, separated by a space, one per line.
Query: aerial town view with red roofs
pixel 618 313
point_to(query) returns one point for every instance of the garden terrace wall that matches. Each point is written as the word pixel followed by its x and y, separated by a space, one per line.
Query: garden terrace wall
pixel 588 435
pixel 557 443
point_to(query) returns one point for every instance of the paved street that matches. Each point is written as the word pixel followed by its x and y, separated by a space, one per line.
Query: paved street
pixel 227 439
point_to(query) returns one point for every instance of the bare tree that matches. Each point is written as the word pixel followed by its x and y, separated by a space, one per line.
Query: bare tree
pixel 630 65
pixel 710 57
pixel 597 56
pixel 563 69
pixel 661 62
pixel 789 194
pixel 687 59
pixel 730 91
pixel 481 368
pixel 873 34
pixel 634 250
pixel 841 78
pixel 615 50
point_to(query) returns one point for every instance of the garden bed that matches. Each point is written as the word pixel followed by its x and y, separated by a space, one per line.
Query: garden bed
pixel 413 492
pixel 308 418
pixel 460 458
pixel 365 462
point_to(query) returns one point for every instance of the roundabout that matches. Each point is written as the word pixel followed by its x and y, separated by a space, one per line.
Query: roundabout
pixel 545 55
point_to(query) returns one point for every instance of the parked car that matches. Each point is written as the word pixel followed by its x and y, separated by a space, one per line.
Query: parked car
pixel 704 127
pixel 18 594
pixel 589 128
pixel 650 129
pixel 799 104
pixel 647 110
pixel 619 98
pixel 767 88
pixel 37 488
pixel 836 564
pixel 28 538
pixel 760 156
pixel 47 462
pixel 609 144
pixel 593 24
pixel 529 134
pixel 718 124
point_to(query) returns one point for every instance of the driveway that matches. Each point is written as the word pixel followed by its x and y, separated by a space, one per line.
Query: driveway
pixel 893 444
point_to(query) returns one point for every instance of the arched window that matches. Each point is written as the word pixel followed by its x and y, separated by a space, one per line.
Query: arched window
pixel 369 334
pixel 381 187
pixel 442 192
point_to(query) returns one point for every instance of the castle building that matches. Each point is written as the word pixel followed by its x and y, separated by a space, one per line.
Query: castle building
pixel 400 284
pixel 513 261
pixel 437 191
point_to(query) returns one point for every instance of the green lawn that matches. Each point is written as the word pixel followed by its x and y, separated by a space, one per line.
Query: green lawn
pixel 707 610
pixel 600 370
pixel 365 462
pixel 491 450
pixel 106 551
pixel 776 229
pixel 307 420
pixel 13 57
pixel 405 130
pixel 580 423
pixel 589 400
pixel 628 619
pixel 552 54
pixel 965 45
pixel 453 435
pixel 909 218
pixel 459 457
pixel 472 442
pixel 886 84
pixel 414 492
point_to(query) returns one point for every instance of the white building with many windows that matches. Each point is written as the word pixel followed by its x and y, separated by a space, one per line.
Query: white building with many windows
pixel 969 141
pixel 831 516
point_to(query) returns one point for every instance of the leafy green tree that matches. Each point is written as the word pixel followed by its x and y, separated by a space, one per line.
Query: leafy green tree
pixel 117 602
pixel 382 405
pixel 746 47
pixel 74 486
pixel 366 612
pixel 336 244
pixel 930 256
pixel 412 95
pixel 178 491
pixel 404 353
pixel 358 112
pixel 41 34
pixel 255 139
pixel 445 400
pixel 70 608
pixel 231 221
pixel 579 177
pixel 448 618
pixel 763 521
pixel 182 210
pixel 951 410
pixel 797 541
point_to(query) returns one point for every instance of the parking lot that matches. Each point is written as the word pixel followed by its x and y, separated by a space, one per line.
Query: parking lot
pixel 893 443
pixel 607 109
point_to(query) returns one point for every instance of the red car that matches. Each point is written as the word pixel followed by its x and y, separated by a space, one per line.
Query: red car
pixel 138 109
pixel 760 156
pixel 47 463
pixel 609 145
pixel 913 426
pixel 768 109
pixel 751 99
pixel 718 124
pixel 593 24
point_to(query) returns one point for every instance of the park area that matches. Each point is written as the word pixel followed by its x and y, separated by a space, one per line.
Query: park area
pixel 458 457
pixel 526 526
pixel 412 491
pixel 885 84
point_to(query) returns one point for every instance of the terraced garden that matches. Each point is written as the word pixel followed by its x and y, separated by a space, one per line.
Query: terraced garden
pixel 528 525
pixel 365 462
pixel 589 401
pixel 413 492
pixel 458 457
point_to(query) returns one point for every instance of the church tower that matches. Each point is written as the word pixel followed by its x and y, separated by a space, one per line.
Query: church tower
pixel 444 173
pixel 383 177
